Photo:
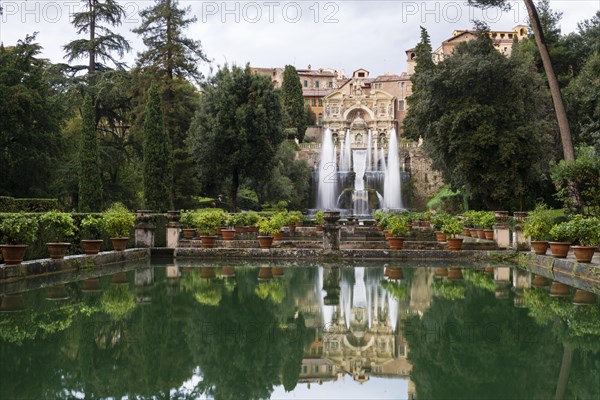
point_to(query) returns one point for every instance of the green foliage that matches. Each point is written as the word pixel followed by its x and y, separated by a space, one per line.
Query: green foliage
pixel 439 219
pixel 584 172
pixel 486 219
pixel 158 157
pixel 118 302
pixel 320 217
pixel 586 230
pixel 18 228
pixel 90 183
pixel 12 205
pixel 187 219
pixel 563 232
pixel 486 124
pixel 209 219
pixel 294 217
pixel 92 227
pixel 268 226
pixel 273 289
pixel 452 226
pixel 292 102
pixel 236 131
pixel 118 220
pixel 397 226
pixel 480 280
pixel 446 200
pixel 251 217
pixel 449 290
pixel 398 290
pixel 57 226
pixel 538 223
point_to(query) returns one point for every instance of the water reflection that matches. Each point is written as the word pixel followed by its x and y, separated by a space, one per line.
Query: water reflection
pixel 243 331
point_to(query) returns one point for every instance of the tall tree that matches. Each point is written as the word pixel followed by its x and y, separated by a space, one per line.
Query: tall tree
pixel 102 42
pixel 540 40
pixel 237 129
pixel 158 158
pixel 292 103
pixel 90 182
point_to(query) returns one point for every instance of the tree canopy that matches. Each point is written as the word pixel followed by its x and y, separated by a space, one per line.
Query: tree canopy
pixel 292 103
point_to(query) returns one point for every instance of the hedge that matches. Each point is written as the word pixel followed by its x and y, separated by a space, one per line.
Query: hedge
pixel 10 204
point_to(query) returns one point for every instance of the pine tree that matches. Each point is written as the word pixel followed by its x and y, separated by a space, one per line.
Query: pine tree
pixel 423 53
pixel 90 182
pixel 158 158
pixel 292 102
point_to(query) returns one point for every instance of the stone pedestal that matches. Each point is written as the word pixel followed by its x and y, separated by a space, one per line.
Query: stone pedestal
pixel 519 241
pixel 173 228
pixel 144 229
pixel 502 230
pixel 331 231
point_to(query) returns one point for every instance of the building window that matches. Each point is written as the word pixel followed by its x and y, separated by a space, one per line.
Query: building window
pixel 320 102
pixel 317 84
pixel 305 83
pixel 502 36
pixel 307 102
pixel 314 102
pixel 401 105
pixel 330 85
pixel 401 84
pixel 401 351
pixel 320 119
pixel 377 85
pixel 304 369
pixel 361 74
pixel 510 35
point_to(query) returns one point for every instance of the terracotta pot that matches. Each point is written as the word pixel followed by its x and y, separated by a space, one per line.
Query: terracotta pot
pixel 540 281
pixel 473 233
pixel 467 232
pixel 441 272
pixel 583 298
pixel 584 254
pixel 12 302
pixel 252 229
pixel 455 244
pixel 396 243
pixel 228 234
pixel 208 242
pixel 440 236
pixel 386 234
pixel 539 247
pixel 57 251
pixel 480 233
pixel 298 224
pixel 455 274
pixel 240 229
pixel 278 236
pixel 292 228
pixel 489 234
pixel 207 273
pixel 319 228
pixel 228 272
pixel 91 246
pixel 395 274
pixel 119 244
pixel 265 242
pixel 91 285
pixel 120 278
pixel 265 273
pixel 13 254
pixel 58 292
pixel 277 271
pixel 560 249
pixel 188 233
pixel 559 290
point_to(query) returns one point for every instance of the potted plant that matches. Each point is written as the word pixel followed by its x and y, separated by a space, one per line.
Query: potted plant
pixel 57 228
pixel 397 227
pixel 438 221
pixel 92 229
pixel 294 219
pixel 251 218
pixel 266 230
pixel 279 220
pixel 229 232
pixel 207 222
pixel 118 222
pixel 471 220
pixel 563 235
pixel 16 230
pixel 587 235
pixel 487 221
pixel 188 229
pixel 452 227
pixel 537 227
pixel 319 220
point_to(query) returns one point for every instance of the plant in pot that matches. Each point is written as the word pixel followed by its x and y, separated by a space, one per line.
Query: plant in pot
pixel 587 235
pixel 320 220
pixel 57 228
pixel 294 219
pixel 16 231
pixel 229 232
pixel 188 229
pixel 451 228
pixel 438 221
pixel 470 220
pixel 537 227
pixel 487 219
pixel 92 229
pixel 397 228
pixel 378 216
pixel 563 235
pixel 207 221
pixel 279 220
pixel 266 231
pixel 252 218
pixel 479 221
pixel 118 222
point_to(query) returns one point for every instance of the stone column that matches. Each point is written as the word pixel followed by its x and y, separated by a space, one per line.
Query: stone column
pixel 501 230
pixel 144 229
pixel 173 228
pixel 331 231
pixel 519 239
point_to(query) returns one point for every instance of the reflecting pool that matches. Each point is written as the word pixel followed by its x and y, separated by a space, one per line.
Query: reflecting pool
pixel 244 330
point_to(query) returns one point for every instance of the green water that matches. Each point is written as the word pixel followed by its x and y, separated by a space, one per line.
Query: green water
pixel 304 331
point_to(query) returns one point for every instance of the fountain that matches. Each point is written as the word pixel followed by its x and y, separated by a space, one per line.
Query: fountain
pixel 363 180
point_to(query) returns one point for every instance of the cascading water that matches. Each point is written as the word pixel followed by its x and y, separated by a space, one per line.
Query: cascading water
pixel 327 174
pixel 391 187
pixel 369 139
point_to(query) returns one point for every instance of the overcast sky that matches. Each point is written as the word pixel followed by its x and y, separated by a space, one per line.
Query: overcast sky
pixel 338 34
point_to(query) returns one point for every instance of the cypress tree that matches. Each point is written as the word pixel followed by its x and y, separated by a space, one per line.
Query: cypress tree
pixel 90 182
pixel 292 103
pixel 158 157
